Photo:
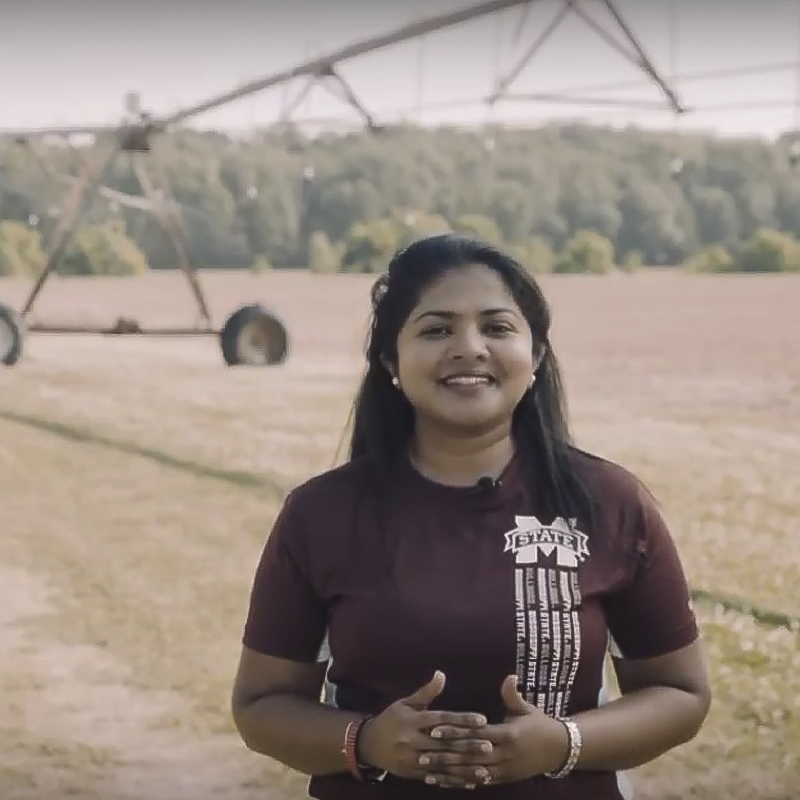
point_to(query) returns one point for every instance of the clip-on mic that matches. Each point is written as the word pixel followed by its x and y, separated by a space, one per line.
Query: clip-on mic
pixel 486 484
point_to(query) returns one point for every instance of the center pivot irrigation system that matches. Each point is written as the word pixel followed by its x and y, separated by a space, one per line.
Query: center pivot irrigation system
pixel 251 335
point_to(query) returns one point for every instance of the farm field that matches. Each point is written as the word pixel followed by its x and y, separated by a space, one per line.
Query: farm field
pixel 140 477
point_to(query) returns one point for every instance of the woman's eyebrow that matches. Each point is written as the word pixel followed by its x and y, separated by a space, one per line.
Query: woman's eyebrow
pixel 451 314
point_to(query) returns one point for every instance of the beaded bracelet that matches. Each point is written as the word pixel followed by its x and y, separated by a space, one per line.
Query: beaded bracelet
pixel 349 746
pixel 350 751
pixel 575 746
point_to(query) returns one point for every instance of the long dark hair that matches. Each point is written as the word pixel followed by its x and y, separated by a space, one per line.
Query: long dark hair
pixel 383 419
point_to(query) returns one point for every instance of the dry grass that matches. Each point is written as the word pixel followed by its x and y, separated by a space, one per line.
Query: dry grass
pixel 140 477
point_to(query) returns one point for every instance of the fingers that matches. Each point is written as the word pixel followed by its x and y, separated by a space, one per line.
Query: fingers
pixel 468 746
pixel 453 733
pixel 466 761
pixel 460 778
pixel 515 703
pixel 444 761
pixel 465 770
pixel 452 719
pixel 468 765
pixel 502 734
pixel 426 694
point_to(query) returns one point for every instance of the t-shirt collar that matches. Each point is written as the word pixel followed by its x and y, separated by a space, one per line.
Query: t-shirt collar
pixel 506 486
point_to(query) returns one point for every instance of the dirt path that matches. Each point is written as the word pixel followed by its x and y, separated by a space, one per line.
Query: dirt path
pixel 70 726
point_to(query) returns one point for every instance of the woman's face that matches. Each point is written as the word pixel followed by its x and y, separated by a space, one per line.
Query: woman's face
pixel 465 353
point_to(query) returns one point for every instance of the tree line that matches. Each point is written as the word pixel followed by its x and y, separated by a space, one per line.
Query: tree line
pixel 565 198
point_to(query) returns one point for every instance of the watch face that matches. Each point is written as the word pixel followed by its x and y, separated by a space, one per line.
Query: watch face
pixel 372 774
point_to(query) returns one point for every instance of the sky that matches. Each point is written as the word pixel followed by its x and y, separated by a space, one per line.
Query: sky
pixel 73 61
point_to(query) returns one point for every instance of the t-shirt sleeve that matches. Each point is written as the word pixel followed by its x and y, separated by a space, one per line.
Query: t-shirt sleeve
pixel 286 617
pixel 652 613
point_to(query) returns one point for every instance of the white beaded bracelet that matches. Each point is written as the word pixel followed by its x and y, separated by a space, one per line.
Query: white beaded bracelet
pixel 575 745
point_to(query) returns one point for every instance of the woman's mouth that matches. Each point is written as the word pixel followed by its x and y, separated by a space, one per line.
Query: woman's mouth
pixel 468 380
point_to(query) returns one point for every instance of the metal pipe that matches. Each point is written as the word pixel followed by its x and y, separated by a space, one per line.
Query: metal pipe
pixel 322 63
pixel 126 330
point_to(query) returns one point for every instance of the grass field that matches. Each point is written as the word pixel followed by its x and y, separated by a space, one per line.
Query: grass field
pixel 140 478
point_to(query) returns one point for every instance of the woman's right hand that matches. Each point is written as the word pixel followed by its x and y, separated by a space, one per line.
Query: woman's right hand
pixel 396 739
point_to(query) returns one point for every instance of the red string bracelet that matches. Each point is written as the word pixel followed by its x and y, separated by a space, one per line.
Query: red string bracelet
pixel 349 747
pixel 350 751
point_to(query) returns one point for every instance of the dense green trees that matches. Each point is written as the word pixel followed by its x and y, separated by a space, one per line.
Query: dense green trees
pixel 20 249
pixel 569 198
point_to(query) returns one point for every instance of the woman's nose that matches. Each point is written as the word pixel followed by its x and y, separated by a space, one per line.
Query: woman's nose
pixel 469 344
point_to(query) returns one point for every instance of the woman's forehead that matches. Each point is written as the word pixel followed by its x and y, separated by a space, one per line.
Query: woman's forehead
pixel 466 290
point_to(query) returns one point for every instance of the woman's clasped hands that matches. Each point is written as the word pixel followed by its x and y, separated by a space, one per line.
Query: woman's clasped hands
pixel 460 749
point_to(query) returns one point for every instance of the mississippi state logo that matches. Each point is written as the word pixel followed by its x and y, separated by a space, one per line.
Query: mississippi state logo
pixel 532 540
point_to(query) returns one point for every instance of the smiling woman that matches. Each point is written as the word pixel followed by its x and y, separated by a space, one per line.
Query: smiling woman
pixel 465 360
pixel 457 584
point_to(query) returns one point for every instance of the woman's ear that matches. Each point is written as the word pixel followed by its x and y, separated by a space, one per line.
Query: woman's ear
pixel 538 356
pixel 388 367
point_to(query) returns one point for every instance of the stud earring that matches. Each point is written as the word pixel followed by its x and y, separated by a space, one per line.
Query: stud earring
pixel 396 382
pixel 533 380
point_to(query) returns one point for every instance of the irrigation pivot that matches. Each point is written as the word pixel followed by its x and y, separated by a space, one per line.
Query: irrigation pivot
pixel 252 335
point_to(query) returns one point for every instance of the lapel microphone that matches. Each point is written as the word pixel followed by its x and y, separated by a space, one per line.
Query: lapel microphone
pixel 487 484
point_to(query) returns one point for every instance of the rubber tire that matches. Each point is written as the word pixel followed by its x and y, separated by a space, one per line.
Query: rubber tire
pixel 253 318
pixel 12 321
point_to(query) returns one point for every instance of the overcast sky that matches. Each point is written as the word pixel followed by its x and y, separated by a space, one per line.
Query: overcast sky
pixel 72 61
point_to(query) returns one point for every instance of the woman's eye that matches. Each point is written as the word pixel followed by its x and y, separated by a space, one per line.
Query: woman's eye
pixel 495 329
pixel 438 330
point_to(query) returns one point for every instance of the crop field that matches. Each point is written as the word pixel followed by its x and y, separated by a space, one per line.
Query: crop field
pixel 140 477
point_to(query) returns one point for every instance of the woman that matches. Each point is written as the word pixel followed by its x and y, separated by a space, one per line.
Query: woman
pixel 468 568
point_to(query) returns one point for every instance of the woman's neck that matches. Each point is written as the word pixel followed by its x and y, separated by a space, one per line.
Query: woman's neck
pixel 461 461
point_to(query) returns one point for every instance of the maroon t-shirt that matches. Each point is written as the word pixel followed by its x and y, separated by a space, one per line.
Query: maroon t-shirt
pixel 476 582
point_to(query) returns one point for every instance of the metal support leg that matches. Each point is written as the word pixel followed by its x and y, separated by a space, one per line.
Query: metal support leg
pixel 506 81
pixel 289 108
pixel 638 57
pixel 349 96
pixel 645 62
pixel 75 207
pixel 164 208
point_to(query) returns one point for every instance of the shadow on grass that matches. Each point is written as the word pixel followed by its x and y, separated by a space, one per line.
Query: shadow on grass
pixel 763 616
pixel 251 480
pixel 72 433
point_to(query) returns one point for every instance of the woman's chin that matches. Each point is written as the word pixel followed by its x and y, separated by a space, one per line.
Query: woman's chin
pixel 471 421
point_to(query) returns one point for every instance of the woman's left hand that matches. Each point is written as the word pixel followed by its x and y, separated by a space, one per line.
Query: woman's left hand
pixel 525 744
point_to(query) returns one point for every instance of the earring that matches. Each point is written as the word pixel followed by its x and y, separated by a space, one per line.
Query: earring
pixel 396 382
pixel 533 380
